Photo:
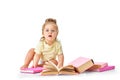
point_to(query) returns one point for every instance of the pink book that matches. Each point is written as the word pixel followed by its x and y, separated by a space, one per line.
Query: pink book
pixel 32 70
pixel 81 64
pixel 106 68
pixel 102 64
pixel 98 65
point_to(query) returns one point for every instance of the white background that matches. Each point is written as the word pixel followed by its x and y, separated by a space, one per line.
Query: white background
pixel 88 28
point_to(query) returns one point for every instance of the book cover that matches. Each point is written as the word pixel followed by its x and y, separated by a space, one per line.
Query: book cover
pixel 31 70
pixel 81 64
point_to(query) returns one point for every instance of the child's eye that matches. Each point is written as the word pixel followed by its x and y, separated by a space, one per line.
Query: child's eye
pixel 52 30
pixel 47 30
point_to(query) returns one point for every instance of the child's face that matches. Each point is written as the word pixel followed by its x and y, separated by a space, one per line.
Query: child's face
pixel 50 32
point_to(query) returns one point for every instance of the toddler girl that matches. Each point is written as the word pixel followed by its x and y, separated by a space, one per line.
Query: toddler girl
pixel 48 48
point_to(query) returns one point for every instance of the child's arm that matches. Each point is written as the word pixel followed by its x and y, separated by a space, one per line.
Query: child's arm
pixel 60 60
pixel 36 59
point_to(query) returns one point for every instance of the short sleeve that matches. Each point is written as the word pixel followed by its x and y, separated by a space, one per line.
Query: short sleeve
pixel 39 48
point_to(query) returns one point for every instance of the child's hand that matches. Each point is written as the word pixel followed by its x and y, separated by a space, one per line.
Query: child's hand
pixel 59 66
pixel 32 66
pixel 23 67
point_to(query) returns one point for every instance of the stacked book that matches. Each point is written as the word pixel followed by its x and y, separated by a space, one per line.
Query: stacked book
pixel 101 66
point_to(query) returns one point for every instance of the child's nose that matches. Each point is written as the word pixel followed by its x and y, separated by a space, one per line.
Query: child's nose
pixel 50 31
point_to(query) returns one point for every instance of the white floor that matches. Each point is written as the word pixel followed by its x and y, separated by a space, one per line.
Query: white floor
pixel 88 28
pixel 107 75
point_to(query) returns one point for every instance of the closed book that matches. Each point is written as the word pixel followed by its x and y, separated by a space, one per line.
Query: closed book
pixel 81 64
pixel 31 70
pixel 98 65
pixel 106 68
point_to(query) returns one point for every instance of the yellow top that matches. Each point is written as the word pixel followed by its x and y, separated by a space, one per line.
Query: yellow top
pixel 48 51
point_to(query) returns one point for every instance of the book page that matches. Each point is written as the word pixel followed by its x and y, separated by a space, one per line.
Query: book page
pixel 51 65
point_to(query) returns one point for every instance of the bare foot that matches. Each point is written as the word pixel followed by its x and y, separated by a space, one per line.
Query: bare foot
pixel 24 66
pixel 40 65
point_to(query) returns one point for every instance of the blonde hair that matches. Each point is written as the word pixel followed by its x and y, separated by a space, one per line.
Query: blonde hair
pixel 49 21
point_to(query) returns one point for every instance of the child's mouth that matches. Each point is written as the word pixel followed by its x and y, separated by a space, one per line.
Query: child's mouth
pixel 49 35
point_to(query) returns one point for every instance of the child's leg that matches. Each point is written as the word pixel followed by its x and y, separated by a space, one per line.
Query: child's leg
pixel 54 61
pixel 28 58
pixel 41 63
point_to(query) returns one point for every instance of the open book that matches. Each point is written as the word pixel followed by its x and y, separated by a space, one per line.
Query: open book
pixel 51 69
pixel 78 65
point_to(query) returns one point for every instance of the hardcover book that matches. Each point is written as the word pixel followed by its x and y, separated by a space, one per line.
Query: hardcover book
pixel 81 64
pixel 98 65
pixel 51 69
pixel 32 70
pixel 106 68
